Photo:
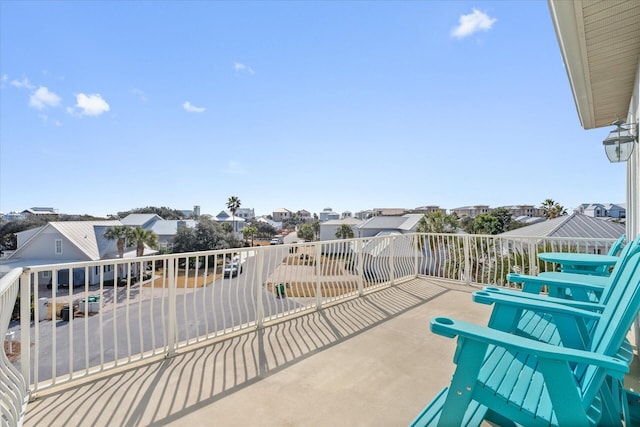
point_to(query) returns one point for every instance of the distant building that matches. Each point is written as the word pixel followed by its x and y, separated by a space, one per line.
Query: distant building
pixel 389 211
pixel 282 214
pixel 304 215
pixel 328 214
pixel 598 210
pixel 363 214
pixel 12 216
pixel 40 211
pixel 346 214
pixel 275 224
pixel 523 210
pixel 246 213
pixel 471 211
pixel 428 209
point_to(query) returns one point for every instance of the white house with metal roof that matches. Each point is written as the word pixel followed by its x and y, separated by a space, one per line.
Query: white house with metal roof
pixel 69 241
pixel 329 228
pixel 574 225
pixel 385 224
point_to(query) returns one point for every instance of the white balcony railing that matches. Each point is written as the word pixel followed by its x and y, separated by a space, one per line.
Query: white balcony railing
pixel 93 316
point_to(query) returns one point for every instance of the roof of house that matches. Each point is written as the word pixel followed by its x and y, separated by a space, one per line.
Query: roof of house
pixel 87 236
pixel 282 210
pixel 348 221
pixel 145 220
pixel 169 227
pixel 405 222
pixel 574 225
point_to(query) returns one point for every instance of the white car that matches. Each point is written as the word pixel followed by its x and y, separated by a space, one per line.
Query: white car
pixel 276 241
pixel 232 269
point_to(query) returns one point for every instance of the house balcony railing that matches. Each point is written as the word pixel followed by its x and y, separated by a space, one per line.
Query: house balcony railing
pixel 80 319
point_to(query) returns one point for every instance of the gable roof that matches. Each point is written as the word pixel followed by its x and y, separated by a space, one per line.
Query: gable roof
pixel 143 220
pixel 405 222
pixel 87 236
pixel 574 225
pixel 169 227
pixel 348 221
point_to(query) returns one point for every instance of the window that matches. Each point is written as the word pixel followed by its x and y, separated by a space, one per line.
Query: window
pixel 107 268
pixel 58 246
pixel 46 274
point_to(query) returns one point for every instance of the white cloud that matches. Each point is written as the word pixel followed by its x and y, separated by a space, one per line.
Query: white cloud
pixel 472 23
pixel 140 94
pixel 24 83
pixel 192 108
pixel 241 68
pixel 46 120
pixel 43 98
pixel 90 105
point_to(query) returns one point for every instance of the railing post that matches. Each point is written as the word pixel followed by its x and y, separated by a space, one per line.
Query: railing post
pixel 318 276
pixel 359 267
pixel 25 325
pixel 466 248
pixel 258 279
pixel 532 259
pixel 171 339
pixel 392 261
pixel 415 246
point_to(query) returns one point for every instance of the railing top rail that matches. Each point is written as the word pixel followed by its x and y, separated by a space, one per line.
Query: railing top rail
pixel 8 279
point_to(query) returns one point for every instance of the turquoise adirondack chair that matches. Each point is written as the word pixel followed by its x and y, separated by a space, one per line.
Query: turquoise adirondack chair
pixel 513 380
pixel 614 250
pixel 582 287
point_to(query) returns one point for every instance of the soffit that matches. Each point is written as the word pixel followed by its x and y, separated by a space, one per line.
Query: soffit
pixel 600 44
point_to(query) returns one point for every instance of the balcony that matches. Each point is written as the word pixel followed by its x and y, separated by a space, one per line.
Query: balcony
pixel 324 333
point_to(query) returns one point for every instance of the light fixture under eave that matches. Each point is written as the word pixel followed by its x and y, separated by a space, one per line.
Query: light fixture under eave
pixel 619 144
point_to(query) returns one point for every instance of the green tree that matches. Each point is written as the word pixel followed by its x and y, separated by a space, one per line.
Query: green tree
pixel 163 212
pixel 140 237
pixel 437 222
pixel 316 229
pixel 207 235
pixel 551 209
pixel 121 234
pixel 306 232
pixel 264 230
pixel 344 232
pixel 248 232
pixel 486 224
pixel 227 227
pixel 233 204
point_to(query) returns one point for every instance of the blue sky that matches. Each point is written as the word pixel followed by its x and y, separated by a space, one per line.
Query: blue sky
pixel 108 106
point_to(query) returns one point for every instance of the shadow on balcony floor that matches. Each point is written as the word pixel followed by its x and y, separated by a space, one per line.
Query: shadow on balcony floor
pixel 367 361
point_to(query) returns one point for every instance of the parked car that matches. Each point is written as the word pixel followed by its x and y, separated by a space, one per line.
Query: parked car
pixel 232 269
pixel 277 241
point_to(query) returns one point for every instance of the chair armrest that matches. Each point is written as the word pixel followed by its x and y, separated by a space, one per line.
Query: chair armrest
pixel 553 281
pixel 451 328
pixel 491 295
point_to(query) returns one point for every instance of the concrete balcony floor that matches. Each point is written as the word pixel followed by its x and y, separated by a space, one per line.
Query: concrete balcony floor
pixel 366 362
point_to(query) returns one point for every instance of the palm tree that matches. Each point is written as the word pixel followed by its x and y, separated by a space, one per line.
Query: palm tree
pixel 551 209
pixel 249 232
pixel 344 232
pixel 233 204
pixel 140 237
pixel 121 234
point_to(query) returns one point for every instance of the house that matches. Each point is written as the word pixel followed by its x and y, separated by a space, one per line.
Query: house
pixel 246 213
pixel 167 229
pixel 69 241
pixel 346 214
pixel 328 214
pixel 234 221
pixel 389 211
pixel 523 210
pixel 40 211
pixel 366 214
pixel 282 214
pixel 385 224
pixel 471 211
pixel 275 224
pixel 304 216
pixel 328 228
pixel 598 210
pixel 428 209
pixel 145 220
pixel 574 225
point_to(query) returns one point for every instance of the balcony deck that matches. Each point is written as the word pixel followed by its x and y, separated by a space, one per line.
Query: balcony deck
pixel 368 361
